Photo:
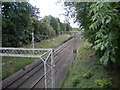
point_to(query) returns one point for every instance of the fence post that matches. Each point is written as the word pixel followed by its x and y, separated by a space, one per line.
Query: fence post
pixel 45 73
pixel 33 45
pixel 52 69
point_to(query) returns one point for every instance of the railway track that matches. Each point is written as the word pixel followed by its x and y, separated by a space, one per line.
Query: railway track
pixel 33 76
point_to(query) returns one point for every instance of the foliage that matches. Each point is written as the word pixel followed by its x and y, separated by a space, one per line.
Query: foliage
pixel 42 30
pixel 105 19
pixel 82 10
pixel 79 11
pixel 75 81
pixel 75 29
pixel 55 23
pixel 101 23
pixel 36 12
pixel 20 19
pixel 16 20
pixel 87 74
pixel 103 83
pixel 84 63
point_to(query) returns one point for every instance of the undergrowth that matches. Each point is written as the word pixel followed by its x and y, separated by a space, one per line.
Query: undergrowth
pixel 87 72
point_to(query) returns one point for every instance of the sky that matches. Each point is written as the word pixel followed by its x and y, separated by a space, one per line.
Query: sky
pixel 49 7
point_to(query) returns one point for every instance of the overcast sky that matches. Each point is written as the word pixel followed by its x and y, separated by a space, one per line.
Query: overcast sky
pixel 49 7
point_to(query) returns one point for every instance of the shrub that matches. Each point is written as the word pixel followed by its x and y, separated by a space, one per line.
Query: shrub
pixel 87 74
pixel 103 83
pixel 75 81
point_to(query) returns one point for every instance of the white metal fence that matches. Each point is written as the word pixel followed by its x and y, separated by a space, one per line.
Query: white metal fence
pixel 49 64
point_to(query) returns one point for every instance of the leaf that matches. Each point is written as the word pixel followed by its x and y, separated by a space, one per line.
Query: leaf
pixel 90 11
pixel 94 19
pixel 106 44
pixel 102 47
pixel 100 14
pixel 107 53
pixel 98 41
pixel 95 25
pixel 105 36
pixel 102 59
pixel 112 59
pixel 91 27
pixel 113 51
pixel 94 10
pixel 107 21
pixel 103 20
pixel 96 47
pixel 106 61
pixel 97 8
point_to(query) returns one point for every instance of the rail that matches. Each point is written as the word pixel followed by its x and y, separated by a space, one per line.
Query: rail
pixel 35 53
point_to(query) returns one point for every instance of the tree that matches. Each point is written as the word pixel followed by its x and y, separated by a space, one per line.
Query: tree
pixel 20 19
pixel 56 24
pixel 101 24
pixel 36 12
pixel 16 19
pixel 79 11
pixel 105 19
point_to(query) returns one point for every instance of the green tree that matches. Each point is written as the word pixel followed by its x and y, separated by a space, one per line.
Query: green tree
pixel 16 19
pixel 79 11
pixel 105 19
pixel 101 23
pixel 54 24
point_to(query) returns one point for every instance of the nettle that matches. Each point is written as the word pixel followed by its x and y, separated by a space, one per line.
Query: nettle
pixel 105 19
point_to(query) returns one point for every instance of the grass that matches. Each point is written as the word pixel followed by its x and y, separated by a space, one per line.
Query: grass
pixel 13 64
pixel 86 71
pixel 51 43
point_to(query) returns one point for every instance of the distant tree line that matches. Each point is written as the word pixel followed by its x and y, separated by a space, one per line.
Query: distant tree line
pixel 20 19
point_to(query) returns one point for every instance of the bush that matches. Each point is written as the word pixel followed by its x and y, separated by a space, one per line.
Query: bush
pixel 87 74
pixel 103 83
pixel 75 81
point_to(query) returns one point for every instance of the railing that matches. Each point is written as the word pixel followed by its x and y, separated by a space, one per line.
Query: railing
pixel 46 55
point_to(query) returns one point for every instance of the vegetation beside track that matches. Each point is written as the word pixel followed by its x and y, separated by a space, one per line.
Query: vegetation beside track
pixel 51 43
pixel 87 72
pixel 13 64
